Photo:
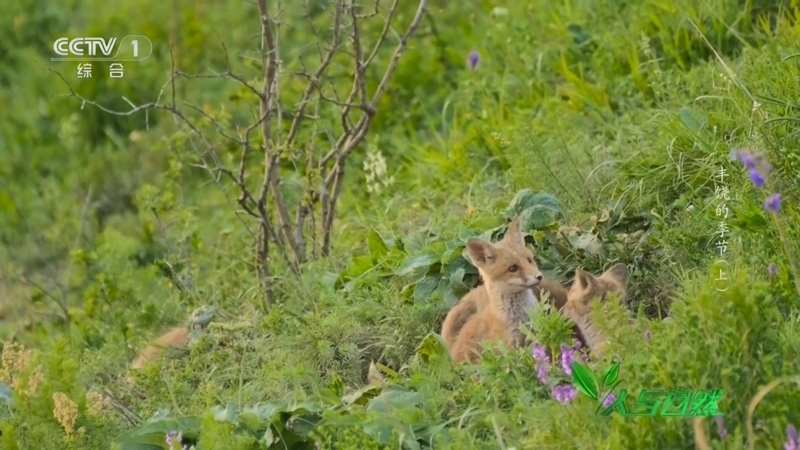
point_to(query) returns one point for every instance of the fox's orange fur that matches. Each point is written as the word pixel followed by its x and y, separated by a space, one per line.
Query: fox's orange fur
pixel 477 299
pixel 494 310
pixel 587 289
pixel 176 337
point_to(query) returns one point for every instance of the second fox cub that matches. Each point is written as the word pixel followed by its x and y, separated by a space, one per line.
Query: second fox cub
pixel 588 289
pixel 494 310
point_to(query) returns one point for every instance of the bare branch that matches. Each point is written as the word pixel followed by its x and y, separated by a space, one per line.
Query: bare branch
pixel 271 156
pixel 322 170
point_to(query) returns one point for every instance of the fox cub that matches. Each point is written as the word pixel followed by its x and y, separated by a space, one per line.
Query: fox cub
pixel 512 282
pixel 176 337
pixel 587 289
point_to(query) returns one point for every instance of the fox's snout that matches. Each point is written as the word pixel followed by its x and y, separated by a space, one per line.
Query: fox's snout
pixel 532 280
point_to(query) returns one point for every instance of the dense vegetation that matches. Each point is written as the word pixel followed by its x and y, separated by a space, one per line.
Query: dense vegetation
pixel 604 124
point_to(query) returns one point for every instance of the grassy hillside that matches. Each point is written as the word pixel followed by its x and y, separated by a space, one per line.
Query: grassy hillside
pixel 606 125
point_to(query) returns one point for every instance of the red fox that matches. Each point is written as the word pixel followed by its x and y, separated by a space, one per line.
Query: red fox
pixel 587 289
pixel 175 337
pixel 494 310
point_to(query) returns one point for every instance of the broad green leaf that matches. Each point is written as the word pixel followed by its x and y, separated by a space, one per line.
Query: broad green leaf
pixel 585 381
pixel 250 421
pixel 588 242
pixel 457 280
pixel 380 428
pixel 303 424
pixel 459 262
pixel 526 199
pixel 394 398
pixel 424 289
pixel 225 413
pixel 361 396
pixel 154 430
pixel 519 203
pixel 415 262
pixel 138 446
pixel 538 217
pixel 331 280
pixel 432 345
pixel 687 117
pixel 464 234
pixel 359 266
pixel 377 245
pixel 448 296
pixel 611 375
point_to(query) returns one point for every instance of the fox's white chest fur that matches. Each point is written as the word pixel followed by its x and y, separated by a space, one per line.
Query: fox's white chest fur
pixel 513 309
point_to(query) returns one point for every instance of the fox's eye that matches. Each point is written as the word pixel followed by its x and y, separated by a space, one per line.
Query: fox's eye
pixel 530 260
pixel 513 268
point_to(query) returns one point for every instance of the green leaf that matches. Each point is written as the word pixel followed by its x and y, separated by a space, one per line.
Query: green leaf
pixel 587 242
pixel 538 217
pixel 393 399
pixel 225 413
pixel 432 345
pixel 153 431
pixel 519 203
pixel 579 35
pixel 457 281
pixel 688 119
pixel 377 245
pixel 303 424
pixel 415 262
pixel 585 381
pixel 337 385
pixel 611 375
pixel 359 266
pixel 526 199
pixel 361 396
pixel 136 446
pixel 424 289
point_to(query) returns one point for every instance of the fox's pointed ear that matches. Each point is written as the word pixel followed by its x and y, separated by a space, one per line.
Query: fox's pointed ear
pixel 514 232
pixel 480 251
pixel 618 273
pixel 583 280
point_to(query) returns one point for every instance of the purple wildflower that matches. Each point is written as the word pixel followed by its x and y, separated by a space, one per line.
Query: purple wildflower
pixel 748 160
pixel 772 269
pixel 721 430
pixel 541 372
pixel 648 334
pixel 539 353
pixel 577 345
pixel 174 436
pixel 756 178
pixel 473 60
pixel 566 359
pixel 564 394
pixel 609 399
pixel 793 441
pixel 773 203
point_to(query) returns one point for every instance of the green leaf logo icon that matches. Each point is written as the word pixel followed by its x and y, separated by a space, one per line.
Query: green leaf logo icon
pixel 585 381
pixel 611 375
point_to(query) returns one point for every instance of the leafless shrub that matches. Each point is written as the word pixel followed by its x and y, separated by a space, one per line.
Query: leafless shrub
pixel 292 227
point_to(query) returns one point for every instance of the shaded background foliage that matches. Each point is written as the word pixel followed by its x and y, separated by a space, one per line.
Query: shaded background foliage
pixel 621 113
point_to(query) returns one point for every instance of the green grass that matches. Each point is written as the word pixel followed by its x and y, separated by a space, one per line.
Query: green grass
pixel 623 113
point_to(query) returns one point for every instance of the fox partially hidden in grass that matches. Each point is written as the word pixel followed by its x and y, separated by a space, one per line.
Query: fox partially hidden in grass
pixel 512 282
pixel 587 289
pixel 177 337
